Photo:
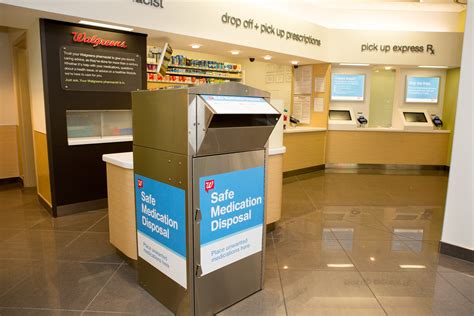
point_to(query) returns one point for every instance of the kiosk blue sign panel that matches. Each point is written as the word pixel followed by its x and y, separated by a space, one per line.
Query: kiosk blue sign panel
pixel 232 207
pixel 347 87
pixel 161 227
pixel 422 89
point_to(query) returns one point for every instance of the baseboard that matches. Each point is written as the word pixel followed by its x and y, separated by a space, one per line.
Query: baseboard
pixel 69 209
pixel 456 251
pixel 297 172
pixel 385 166
pixel 12 180
pixel 45 204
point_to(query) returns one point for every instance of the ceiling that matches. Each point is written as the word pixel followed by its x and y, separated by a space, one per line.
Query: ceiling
pixel 430 15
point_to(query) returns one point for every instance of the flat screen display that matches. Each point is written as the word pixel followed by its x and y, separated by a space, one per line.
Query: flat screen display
pixel 347 87
pixel 422 89
pixel 340 115
pixel 222 104
pixel 415 117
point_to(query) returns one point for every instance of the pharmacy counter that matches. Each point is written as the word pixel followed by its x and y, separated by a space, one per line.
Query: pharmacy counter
pixel 387 146
pixel 305 147
pixel 121 197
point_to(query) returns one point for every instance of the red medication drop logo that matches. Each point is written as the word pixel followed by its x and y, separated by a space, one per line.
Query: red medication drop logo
pixel 209 185
pixel 140 183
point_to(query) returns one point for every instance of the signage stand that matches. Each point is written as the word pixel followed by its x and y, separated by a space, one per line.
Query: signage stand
pixel 199 159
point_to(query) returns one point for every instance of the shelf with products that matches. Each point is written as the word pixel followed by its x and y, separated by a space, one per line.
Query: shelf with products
pixel 205 69
pixel 204 75
pixel 183 70
pixel 180 79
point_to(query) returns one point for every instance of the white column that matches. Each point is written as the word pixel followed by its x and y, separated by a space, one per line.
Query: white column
pixel 458 228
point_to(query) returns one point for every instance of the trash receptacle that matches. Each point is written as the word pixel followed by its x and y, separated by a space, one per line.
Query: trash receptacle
pixel 199 163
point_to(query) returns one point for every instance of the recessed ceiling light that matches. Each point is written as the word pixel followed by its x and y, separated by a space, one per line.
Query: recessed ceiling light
pixel 434 67
pixel 340 265
pixel 108 26
pixel 267 57
pixel 412 266
pixel 285 267
pixel 388 68
pixel 294 62
pixel 358 65
pixel 372 259
pixel 234 52
pixel 195 46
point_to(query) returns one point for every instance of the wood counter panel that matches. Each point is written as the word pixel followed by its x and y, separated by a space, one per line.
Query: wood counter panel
pixel 43 181
pixel 121 199
pixel 304 150
pixel 386 148
pixel 274 188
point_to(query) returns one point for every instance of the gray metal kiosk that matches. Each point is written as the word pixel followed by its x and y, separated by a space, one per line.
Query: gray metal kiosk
pixel 199 161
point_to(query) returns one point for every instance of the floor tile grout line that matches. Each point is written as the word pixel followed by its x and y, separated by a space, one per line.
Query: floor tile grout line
pixel 362 277
pixel 454 286
pixel 96 223
pixel 85 231
pixel 279 276
pixel 103 287
pixel 13 287
pixel 40 309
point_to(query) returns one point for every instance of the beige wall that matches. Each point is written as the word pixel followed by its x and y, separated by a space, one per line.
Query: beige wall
pixel 9 166
pixel 36 78
pixel 9 157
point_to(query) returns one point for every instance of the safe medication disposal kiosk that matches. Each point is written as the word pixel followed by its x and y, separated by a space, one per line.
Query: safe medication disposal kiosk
pixel 199 161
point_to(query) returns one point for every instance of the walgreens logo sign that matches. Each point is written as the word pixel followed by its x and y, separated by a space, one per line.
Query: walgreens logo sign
pixel 95 41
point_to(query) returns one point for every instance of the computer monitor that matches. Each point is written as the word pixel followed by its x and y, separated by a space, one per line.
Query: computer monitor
pixel 415 117
pixel 340 115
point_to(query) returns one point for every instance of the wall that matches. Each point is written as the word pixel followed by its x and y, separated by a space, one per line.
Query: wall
pixel 356 106
pixel 336 45
pixel 9 158
pixel 450 101
pixel 399 100
pixel 458 218
pixel 43 184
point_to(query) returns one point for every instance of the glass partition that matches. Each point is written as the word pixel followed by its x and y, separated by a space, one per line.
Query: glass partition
pixel 90 127
pixel 382 92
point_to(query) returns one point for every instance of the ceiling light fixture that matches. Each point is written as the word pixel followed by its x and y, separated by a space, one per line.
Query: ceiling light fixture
pixel 434 67
pixel 294 62
pixel 234 52
pixel 358 65
pixel 108 26
pixel 195 46
pixel 412 266
pixel 388 68
pixel 340 265
pixel 267 57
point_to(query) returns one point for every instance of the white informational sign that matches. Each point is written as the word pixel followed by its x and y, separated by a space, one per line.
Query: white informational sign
pixel 221 104
pixel 319 84
pixel 231 226
pixel 302 108
pixel 302 80
pixel 318 104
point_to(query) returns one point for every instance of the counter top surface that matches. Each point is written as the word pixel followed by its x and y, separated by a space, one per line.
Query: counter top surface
pixel 391 130
pixel 304 129
pixel 125 160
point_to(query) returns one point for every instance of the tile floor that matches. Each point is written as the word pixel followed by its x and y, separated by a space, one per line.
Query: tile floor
pixel 347 244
